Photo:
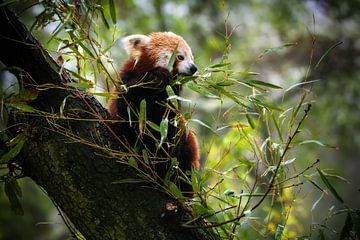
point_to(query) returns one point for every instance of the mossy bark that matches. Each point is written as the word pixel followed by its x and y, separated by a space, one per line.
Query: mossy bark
pixel 78 176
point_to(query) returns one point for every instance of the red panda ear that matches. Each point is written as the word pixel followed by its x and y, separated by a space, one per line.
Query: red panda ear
pixel 133 44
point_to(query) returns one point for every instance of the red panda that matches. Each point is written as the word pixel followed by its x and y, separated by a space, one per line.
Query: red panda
pixel 145 75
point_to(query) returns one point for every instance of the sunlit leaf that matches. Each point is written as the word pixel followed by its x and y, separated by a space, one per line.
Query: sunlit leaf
pixel 164 124
pixel 202 124
pixel 201 89
pixel 142 116
pixel 171 95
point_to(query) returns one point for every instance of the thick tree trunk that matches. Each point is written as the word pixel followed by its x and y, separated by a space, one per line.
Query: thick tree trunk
pixel 78 176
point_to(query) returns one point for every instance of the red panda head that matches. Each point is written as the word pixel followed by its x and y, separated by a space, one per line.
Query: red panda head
pixel 156 49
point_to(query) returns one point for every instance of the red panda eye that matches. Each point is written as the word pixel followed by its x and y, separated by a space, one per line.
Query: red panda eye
pixel 180 57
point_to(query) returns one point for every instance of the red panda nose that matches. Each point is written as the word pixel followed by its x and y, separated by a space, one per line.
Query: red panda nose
pixel 193 69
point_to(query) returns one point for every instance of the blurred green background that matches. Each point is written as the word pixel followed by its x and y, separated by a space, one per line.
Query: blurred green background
pixel 314 25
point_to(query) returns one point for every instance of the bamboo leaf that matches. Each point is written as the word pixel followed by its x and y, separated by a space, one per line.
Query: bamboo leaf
pixel 175 190
pixel 279 232
pixel 218 65
pixel 112 11
pixel 201 89
pixel 262 83
pixel 329 186
pixel 250 121
pixel 326 53
pixel 142 116
pixel 13 151
pixel 133 163
pixel 21 106
pixel 145 156
pixel 164 124
pixel 10 192
pixel 202 124
pixel 276 49
pixel 172 59
pixel 171 94
pixel 153 126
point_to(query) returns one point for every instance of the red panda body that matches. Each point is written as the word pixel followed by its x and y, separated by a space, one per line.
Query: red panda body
pixel 145 76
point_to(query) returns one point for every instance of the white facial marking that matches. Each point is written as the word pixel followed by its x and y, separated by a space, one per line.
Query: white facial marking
pixel 184 66
pixel 163 61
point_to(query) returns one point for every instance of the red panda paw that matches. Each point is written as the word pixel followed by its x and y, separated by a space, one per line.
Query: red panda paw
pixel 160 76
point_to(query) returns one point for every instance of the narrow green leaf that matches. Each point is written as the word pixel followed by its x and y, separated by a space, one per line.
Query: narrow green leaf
pixel 104 18
pixel 163 130
pixel 171 94
pixel 279 232
pixel 200 89
pixel 326 53
pixel 142 116
pixel 13 152
pixel 133 163
pixel 154 126
pixel 329 186
pixel 250 121
pixel 145 156
pixel 16 140
pixel 300 84
pixel 315 142
pixel 129 115
pixel 248 73
pixel 21 106
pixel 175 190
pixel 202 124
pixel 317 202
pixel 262 83
pixel 15 204
pixel 276 49
pixel 172 59
pixel 112 11
pixel 218 65
pixel 194 182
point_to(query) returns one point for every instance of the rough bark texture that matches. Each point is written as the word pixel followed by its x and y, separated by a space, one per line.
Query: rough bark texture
pixel 77 176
